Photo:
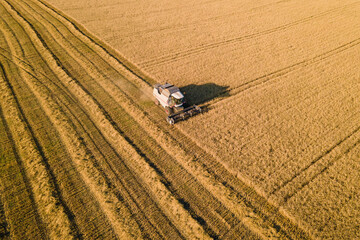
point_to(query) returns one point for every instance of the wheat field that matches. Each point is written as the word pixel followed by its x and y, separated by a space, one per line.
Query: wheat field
pixel 85 153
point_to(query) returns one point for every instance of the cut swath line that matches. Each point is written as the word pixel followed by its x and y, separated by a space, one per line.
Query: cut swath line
pixel 75 147
pixel 42 171
pixel 110 52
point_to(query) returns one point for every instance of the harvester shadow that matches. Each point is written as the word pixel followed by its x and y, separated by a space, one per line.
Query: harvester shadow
pixel 201 94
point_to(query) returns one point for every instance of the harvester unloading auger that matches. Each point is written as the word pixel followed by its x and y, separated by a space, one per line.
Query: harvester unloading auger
pixel 171 98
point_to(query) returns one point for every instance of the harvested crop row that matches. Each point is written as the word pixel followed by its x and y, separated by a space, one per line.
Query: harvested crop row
pixel 11 208
pixel 77 150
pixel 83 208
pixel 49 207
pixel 16 195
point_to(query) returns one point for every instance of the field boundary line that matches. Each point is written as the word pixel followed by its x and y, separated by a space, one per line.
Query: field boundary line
pixel 111 52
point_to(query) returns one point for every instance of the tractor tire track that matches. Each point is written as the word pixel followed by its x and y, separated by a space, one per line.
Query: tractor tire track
pixel 196 23
pixel 282 72
pixel 317 161
pixel 288 196
pixel 196 50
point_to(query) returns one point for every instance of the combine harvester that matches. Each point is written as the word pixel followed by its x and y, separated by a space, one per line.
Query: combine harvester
pixel 171 98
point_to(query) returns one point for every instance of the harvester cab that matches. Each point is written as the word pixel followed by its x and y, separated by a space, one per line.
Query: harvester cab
pixel 171 98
